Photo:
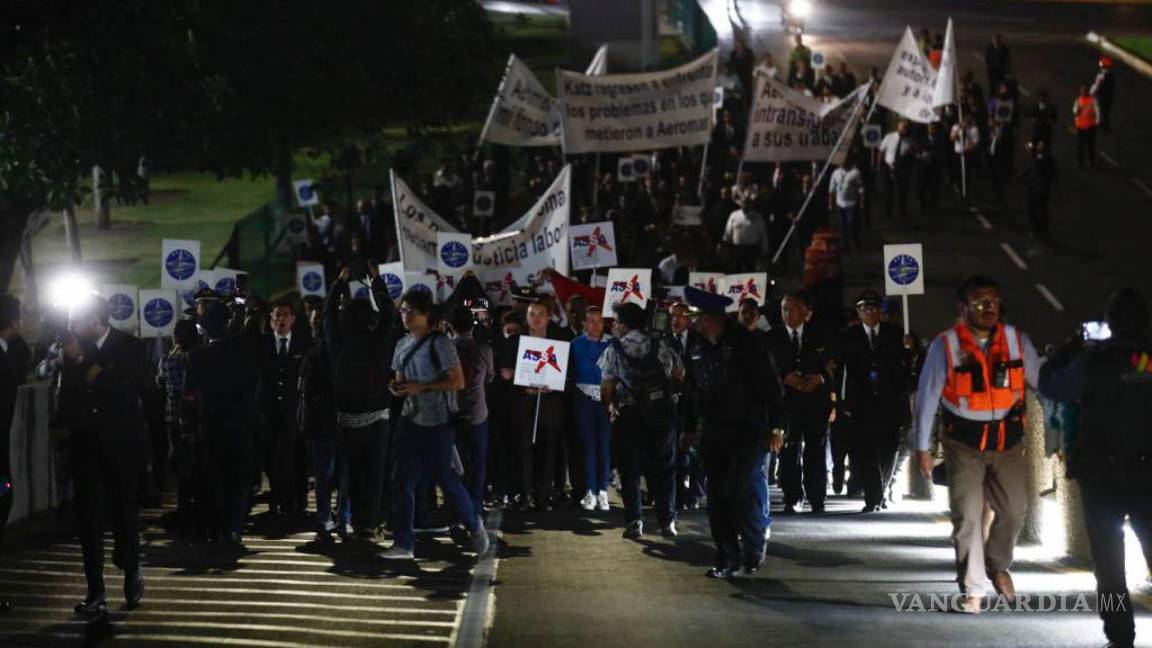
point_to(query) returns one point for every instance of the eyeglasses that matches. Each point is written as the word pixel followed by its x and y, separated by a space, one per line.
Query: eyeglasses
pixel 988 303
pixel 407 310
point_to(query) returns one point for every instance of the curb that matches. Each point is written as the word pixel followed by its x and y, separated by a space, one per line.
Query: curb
pixel 1133 61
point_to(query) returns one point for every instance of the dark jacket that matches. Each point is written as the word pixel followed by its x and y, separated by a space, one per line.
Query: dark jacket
pixel 221 388
pixel 317 403
pixel 875 381
pixel 9 382
pixel 815 351
pixel 280 378
pixel 735 387
pixel 361 361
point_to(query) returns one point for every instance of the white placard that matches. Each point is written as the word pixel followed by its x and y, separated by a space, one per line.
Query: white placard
pixel 453 253
pixel 541 362
pixel 717 101
pixel 420 281
pixel 789 126
pixel 123 306
pixel 158 313
pixel 593 245
pixel 641 166
pixel 179 263
pixel 310 279
pixel 871 134
pixel 393 276
pixel 498 286
pixel 909 82
pixel 750 285
pixel 621 113
pixel 687 215
pixel 541 240
pixel 627 285
pixel 712 282
pixel 483 204
pixel 295 228
pixel 306 193
pixel 624 170
pixel 819 61
pixel 904 269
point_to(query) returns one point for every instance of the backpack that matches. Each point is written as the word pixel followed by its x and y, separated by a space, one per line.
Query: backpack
pixel 651 389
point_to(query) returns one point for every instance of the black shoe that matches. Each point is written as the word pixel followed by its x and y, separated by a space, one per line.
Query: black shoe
pixel 789 509
pixel 232 539
pixel 133 588
pixel 870 508
pixel 92 606
pixel 818 508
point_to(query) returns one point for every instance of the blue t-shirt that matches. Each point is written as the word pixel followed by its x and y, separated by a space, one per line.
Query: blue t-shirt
pixel 584 353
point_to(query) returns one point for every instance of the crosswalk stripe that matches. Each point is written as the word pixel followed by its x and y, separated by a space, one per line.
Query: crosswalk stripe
pixel 254 615
pixel 235 572
pixel 283 604
pixel 151 582
pixel 255 627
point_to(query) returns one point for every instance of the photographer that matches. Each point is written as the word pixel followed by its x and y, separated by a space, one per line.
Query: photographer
pixel 638 372
pixel 1111 456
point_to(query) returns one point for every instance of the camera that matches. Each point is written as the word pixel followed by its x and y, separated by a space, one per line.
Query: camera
pixel 658 319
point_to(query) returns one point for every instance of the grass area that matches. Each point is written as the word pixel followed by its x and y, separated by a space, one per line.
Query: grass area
pixel 1139 45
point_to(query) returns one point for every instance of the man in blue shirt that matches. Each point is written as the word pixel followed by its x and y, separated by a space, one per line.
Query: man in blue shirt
pixel 592 421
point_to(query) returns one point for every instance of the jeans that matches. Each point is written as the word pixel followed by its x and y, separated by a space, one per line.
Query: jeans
pixel 472 443
pixel 366 450
pixel 426 452
pixel 761 501
pixel 595 428
pixel 651 452
pixel 848 228
pixel 331 469
pixel 734 516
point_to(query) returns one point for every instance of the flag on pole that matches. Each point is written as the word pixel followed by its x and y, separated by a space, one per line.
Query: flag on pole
pixel 909 83
pixel 599 64
pixel 945 93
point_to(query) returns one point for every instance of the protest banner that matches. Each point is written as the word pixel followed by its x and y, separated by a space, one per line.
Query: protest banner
pixel 622 113
pixel 593 245
pixel 416 228
pixel 751 285
pixel 712 282
pixel 627 285
pixel 158 313
pixel 179 263
pixel 123 308
pixel 542 242
pixel 788 126
pixel 909 83
pixel 522 113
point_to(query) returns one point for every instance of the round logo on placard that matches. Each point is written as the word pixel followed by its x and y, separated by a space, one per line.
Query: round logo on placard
pixel 226 286
pixel 483 202
pixel 395 285
pixel 180 264
pixel 903 269
pixel 306 192
pixel 817 59
pixel 312 281
pixel 454 254
pixel 361 292
pixel 871 134
pixel 641 166
pixel 420 288
pixel 121 307
pixel 188 297
pixel 158 313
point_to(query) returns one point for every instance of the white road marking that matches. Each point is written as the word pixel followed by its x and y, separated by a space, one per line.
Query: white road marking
pixel 136 614
pixel 1050 297
pixel 983 222
pixel 1109 159
pixel 1143 186
pixel 1012 255
pixel 253 603
pixel 476 613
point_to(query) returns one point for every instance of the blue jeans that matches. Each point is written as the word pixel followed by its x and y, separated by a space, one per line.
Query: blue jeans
pixel 651 452
pixel 426 452
pixel 848 216
pixel 472 443
pixel 595 431
pixel 734 515
pixel 760 487
pixel 331 470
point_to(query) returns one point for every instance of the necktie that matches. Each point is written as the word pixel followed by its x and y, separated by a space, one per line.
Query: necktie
pixel 872 339
pixel 796 342
pixel 283 346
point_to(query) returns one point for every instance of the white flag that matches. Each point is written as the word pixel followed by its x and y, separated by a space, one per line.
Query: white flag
pixel 599 64
pixel 788 126
pixel 909 82
pixel 522 113
pixel 946 76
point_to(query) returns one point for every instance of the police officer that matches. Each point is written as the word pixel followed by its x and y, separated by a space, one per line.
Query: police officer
pixel 802 353
pixel 283 350
pixel 735 398
pixel 100 406
pixel 1111 456
pixel 875 396
pixel 977 372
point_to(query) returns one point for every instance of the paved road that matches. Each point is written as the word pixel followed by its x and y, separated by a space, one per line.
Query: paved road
pixel 1100 225
pixel 284 591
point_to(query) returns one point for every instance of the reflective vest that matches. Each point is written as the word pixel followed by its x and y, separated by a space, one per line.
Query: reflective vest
pixel 985 391
pixel 1085 113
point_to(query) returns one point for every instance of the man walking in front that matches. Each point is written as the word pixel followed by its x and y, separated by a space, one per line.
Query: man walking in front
pixel 977 370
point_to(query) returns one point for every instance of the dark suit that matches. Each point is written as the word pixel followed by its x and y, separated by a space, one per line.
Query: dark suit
pixel 373 232
pixel 875 403
pixel 689 473
pixel 803 470
pixel 221 392
pixel 100 406
pixel 284 452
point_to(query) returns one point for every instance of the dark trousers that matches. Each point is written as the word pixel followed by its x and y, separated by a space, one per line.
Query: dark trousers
pixel 595 430
pixel 841 441
pixel 1038 210
pixel 898 185
pixel 929 189
pixel 5 508
pixel 330 466
pixel 224 487
pixel 1107 501
pixel 1086 146
pixel 472 443
pixel 105 482
pixel 733 513
pixel 803 470
pixel 426 453
pixel 875 451
pixel 287 475
pixel 366 449
pixel 535 464
pixel 650 452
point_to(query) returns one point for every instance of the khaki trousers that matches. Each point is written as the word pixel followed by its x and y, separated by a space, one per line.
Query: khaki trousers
pixel 978 481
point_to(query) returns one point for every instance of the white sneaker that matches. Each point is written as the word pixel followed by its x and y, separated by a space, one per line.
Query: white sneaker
pixel 589 501
pixel 767 534
pixel 398 553
pixel 602 501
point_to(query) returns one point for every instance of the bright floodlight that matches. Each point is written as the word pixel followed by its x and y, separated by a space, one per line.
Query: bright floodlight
pixel 68 289
pixel 800 8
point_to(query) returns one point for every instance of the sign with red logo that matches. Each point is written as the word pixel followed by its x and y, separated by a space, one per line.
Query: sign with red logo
pixel 706 281
pixel 752 285
pixel 627 285
pixel 541 362
pixel 593 245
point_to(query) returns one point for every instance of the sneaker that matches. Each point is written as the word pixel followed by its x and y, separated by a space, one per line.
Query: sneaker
pixel 743 572
pixel 669 531
pixel 330 526
pixel 589 501
pixel 398 553
pixel 346 531
pixel 718 572
pixel 480 541
pixel 602 500
pixel 634 530
pixel 767 534
pixel 92 606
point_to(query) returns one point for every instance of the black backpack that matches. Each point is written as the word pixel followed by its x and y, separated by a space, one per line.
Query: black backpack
pixel 651 389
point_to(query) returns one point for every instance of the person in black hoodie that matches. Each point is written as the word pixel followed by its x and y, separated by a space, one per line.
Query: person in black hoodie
pixel 361 352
